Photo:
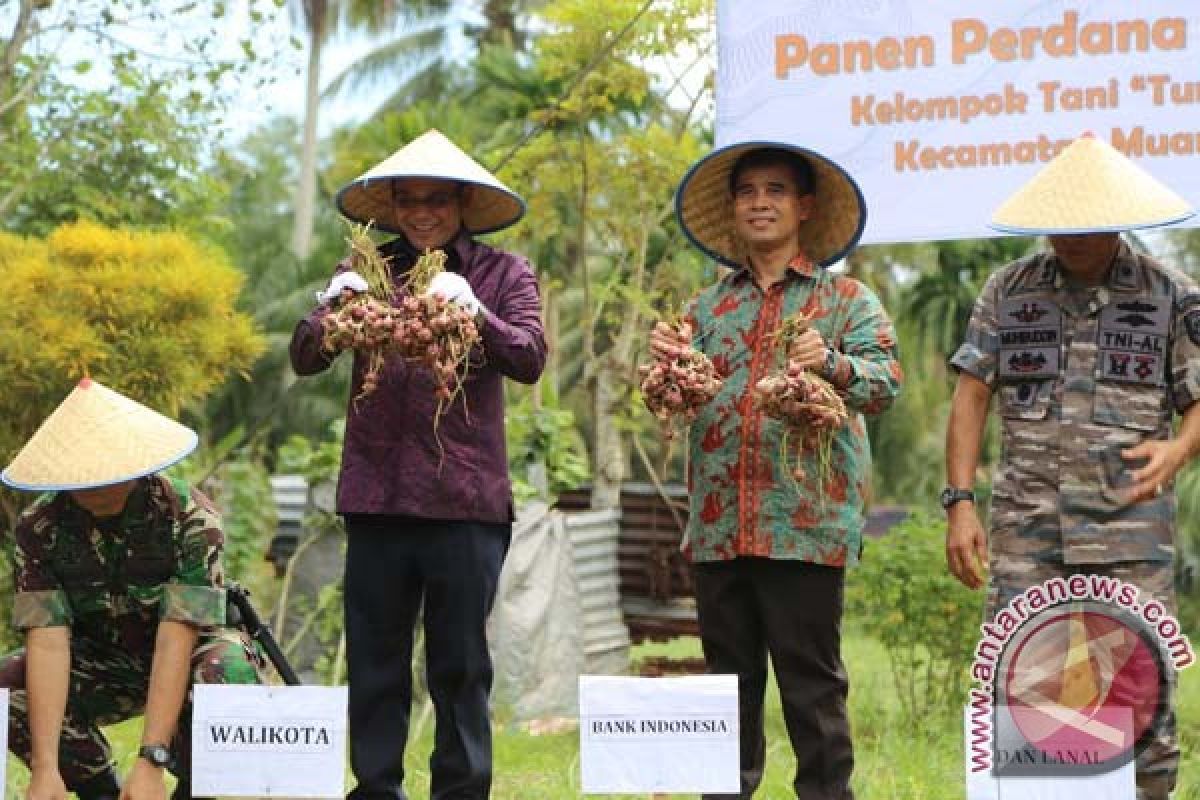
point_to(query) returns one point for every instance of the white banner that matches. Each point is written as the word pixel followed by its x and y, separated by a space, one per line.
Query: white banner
pixel 639 735
pixel 269 741
pixel 941 108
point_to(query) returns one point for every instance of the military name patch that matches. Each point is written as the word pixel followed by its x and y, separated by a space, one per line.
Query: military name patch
pixel 1132 340
pixel 1030 335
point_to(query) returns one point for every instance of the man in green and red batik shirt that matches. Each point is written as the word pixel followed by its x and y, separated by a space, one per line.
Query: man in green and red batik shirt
pixel 769 549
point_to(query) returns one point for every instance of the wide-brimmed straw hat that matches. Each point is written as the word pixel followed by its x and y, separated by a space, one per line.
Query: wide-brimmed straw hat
pixel 97 437
pixel 1090 187
pixel 704 206
pixel 491 206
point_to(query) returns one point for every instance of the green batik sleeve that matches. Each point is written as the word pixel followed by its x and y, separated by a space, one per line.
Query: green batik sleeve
pixel 867 370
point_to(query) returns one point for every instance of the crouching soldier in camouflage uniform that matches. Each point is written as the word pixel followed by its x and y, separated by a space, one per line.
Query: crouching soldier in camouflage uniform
pixel 119 591
pixel 1089 349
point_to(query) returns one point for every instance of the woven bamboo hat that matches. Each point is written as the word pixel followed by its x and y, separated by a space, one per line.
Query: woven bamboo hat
pixel 491 206
pixel 97 437
pixel 1090 187
pixel 704 206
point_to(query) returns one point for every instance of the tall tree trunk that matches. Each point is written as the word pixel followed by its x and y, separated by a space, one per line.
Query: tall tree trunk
pixel 608 452
pixel 613 373
pixel 306 190
pixel 500 25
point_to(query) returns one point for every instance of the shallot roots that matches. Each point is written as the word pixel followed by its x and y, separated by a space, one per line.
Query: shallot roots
pixel 808 406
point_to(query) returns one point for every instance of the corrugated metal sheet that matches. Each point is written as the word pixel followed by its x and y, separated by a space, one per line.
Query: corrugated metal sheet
pixel 654 583
pixel 291 502
pixel 593 536
pixel 655 586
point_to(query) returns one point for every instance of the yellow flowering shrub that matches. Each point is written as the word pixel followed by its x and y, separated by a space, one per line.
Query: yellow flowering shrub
pixel 150 315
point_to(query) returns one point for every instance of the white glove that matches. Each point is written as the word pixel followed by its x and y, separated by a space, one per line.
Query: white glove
pixel 343 280
pixel 454 288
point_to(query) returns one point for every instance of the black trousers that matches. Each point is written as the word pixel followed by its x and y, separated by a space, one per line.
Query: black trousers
pixel 394 567
pixel 749 607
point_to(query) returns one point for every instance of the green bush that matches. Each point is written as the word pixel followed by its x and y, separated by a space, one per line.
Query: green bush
pixel 903 595
pixel 546 436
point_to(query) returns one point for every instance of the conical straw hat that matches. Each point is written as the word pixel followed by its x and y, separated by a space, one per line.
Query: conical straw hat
pixel 1090 187
pixel 97 437
pixel 492 205
pixel 704 206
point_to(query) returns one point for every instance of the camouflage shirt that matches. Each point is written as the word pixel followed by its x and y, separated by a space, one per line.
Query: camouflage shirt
pixel 1080 374
pixel 744 501
pixel 112 580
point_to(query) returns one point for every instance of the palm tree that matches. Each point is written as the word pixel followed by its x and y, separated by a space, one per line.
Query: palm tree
pixel 321 19
pixel 413 57
pixel 939 303
pixel 418 52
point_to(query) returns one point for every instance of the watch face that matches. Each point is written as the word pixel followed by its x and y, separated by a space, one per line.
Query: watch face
pixel 950 496
pixel 157 755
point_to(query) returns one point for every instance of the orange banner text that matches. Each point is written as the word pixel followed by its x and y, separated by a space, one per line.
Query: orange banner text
pixel 972 39
pixel 913 155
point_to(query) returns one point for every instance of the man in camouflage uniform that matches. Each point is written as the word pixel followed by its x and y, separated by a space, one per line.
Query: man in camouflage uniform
pixel 119 589
pixel 770 546
pixel 1090 349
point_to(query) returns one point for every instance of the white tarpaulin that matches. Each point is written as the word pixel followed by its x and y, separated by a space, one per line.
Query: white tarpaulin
pixel 640 735
pixel 535 632
pixel 941 108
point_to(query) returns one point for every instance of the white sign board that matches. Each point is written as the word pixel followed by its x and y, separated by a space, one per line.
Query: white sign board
pixel 639 735
pixel 269 741
pixel 941 108
pixel 1120 784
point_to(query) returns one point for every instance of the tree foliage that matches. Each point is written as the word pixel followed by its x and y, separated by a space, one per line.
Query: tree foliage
pixel 150 315
pixel 109 111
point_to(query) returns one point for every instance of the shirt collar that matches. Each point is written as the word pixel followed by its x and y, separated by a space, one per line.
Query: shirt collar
pixel 800 266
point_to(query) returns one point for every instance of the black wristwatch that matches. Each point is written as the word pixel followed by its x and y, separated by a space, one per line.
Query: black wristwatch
pixel 156 754
pixel 950 496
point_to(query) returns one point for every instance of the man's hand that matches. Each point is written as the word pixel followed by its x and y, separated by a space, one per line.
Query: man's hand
pixel 145 782
pixel 966 545
pixel 46 784
pixel 1163 459
pixel 343 281
pixel 455 289
pixel 666 342
pixel 808 351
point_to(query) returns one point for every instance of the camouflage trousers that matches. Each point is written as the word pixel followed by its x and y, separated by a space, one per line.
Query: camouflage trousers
pixel 108 685
pixel 1157 763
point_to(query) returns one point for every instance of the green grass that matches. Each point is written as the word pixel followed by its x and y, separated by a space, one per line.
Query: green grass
pixel 894 761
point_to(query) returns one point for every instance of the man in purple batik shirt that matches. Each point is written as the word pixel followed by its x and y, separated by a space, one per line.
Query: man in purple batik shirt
pixel 428 515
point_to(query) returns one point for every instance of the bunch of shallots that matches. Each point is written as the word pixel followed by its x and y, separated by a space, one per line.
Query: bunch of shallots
pixel 809 407
pixel 363 322
pixel 679 385
pixel 438 335
pixel 421 328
